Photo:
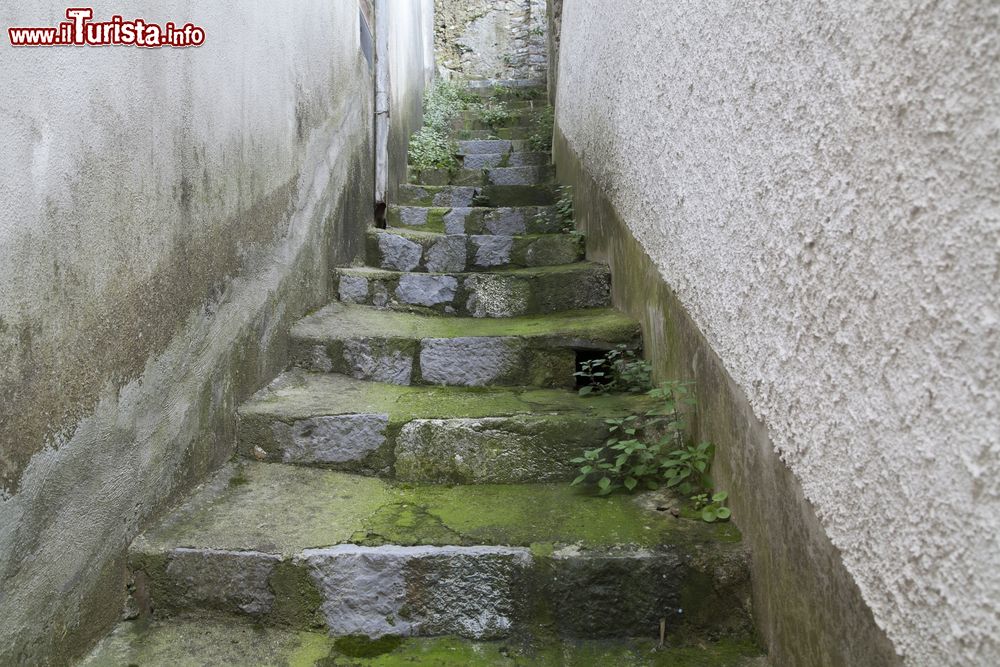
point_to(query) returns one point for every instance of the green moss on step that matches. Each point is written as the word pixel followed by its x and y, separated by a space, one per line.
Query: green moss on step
pixel 364 647
pixel 340 321
pixel 285 509
pixel 224 642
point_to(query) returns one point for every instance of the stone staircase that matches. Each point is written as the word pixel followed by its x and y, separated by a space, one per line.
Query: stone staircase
pixel 401 494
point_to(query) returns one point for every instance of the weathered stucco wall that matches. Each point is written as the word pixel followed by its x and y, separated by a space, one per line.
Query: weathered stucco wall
pixel 411 68
pixel 801 202
pixel 492 39
pixel 164 216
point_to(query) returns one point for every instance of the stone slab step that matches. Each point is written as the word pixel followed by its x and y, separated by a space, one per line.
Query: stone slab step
pixel 459 196
pixel 526 175
pixel 502 293
pixel 408 250
pixel 522 111
pixel 503 221
pixel 495 133
pixel 492 160
pixel 307 548
pixel 478 146
pixel 227 642
pixel 440 435
pixel 410 349
pixel 510 89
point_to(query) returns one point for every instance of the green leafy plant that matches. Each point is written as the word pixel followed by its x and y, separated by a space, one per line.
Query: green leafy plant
pixel 495 113
pixel 712 508
pixel 564 207
pixel 540 140
pixel 621 369
pixel 649 451
pixel 431 149
pixel 444 101
pixel 686 469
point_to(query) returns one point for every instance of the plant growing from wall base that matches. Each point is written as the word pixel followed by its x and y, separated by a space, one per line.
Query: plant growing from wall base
pixel 648 451
pixel 540 140
pixel 621 369
pixel 712 509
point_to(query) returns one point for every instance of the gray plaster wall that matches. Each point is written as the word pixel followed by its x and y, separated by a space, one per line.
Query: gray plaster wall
pixel 800 202
pixel 164 216
pixel 411 68
pixel 492 39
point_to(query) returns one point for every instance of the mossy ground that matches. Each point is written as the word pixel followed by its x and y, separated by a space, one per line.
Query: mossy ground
pixel 238 643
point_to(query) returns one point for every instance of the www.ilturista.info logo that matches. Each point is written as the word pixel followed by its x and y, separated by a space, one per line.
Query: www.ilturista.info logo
pixel 79 30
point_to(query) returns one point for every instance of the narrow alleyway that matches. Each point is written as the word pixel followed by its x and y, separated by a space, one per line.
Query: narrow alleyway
pixel 409 476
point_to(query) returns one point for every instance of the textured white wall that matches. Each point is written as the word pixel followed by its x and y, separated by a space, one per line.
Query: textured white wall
pixel 819 183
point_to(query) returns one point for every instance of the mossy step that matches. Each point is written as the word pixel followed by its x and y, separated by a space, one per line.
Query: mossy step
pixel 529 175
pixel 408 250
pixel 503 221
pixel 463 196
pixel 510 159
pixel 310 548
pixel 514 89
pixel 495 133
pixel 227 642
pixel 522 112
pixel 434 434
pixel 410 349
pixel 477 146
pixel 500 293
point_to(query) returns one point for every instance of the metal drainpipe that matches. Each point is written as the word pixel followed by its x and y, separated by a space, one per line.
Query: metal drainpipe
pixel 382 98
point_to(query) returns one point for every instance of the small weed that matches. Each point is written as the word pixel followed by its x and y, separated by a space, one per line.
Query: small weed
pixel 712 508
pixel 431 149
pixel 540 140
pixel 649 451
pixel 495 113
pixel 621 369
pixel 563 210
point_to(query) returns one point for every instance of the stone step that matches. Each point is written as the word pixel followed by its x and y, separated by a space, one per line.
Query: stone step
pixel 408 250
pixel 529 175
pixel 520 112
pixel 476 146
pixel 408 349
pixel 473 124
pixel 503 221
pixel 463 196
pixel 495 133
pixel 309 548
pixel 493 160
pixel 512 89
pixel 437 435
pixel 223 641
pixel 505 293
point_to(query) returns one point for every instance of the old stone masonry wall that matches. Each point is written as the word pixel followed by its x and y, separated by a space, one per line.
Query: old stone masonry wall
pixel 491 39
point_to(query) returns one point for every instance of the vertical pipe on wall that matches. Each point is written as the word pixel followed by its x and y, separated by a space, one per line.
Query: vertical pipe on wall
pixel 382 105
